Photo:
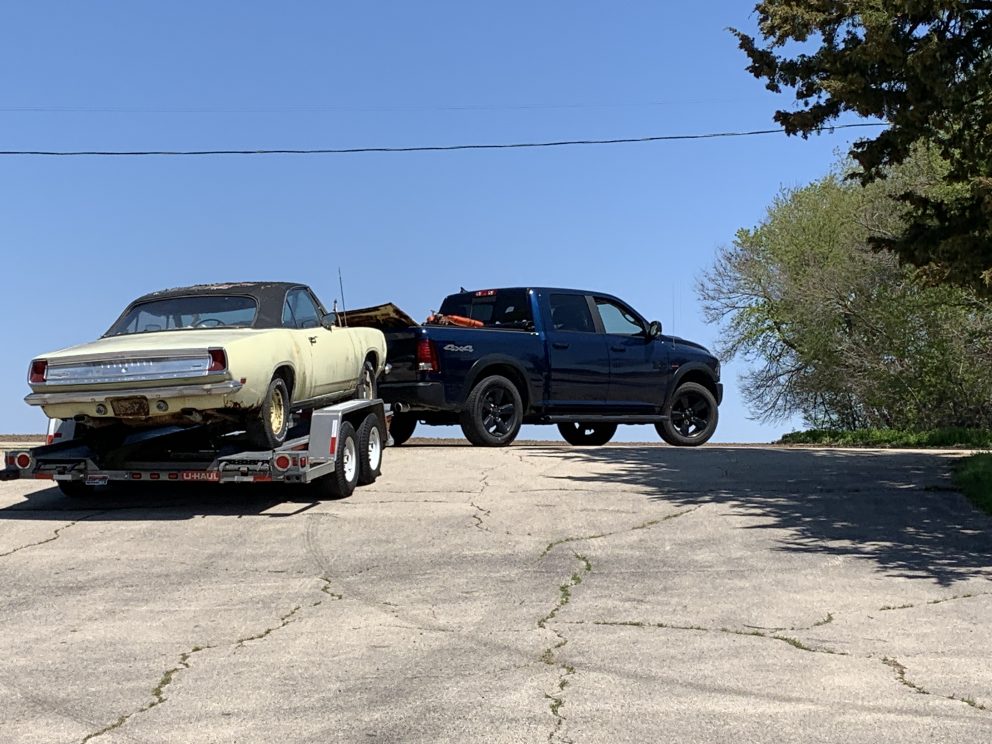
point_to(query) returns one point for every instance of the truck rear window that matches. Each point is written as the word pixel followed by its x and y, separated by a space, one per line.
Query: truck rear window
pixel 501 309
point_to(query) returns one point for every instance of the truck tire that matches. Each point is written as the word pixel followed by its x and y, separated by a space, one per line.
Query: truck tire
pixel 692 416
pixel 493 413
pixel 268 429
pixel 371 438
pixel 366 389
pixel 579 434
pixel 341 483
pixel 401 427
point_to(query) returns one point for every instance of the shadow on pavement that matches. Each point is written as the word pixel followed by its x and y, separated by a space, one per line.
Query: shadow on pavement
pixel 897 510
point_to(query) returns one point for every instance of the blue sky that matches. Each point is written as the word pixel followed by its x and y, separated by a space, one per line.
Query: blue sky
pixel 81 237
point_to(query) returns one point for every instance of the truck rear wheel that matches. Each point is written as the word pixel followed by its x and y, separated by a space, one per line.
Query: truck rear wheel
pixel 493 413
pixel 579 434
pixel 371 438
pixel 692 416
pixel 341 483
pixel 75 489
pixel 401 427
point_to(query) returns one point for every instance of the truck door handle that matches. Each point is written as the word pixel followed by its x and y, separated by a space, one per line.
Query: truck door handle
pixel 559 345
pixel 618 348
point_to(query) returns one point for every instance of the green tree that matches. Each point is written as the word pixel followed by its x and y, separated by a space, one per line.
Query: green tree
pixel 839 332
pixel 923 66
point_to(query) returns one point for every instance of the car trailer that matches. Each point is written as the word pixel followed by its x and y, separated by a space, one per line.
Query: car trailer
pixel 333 450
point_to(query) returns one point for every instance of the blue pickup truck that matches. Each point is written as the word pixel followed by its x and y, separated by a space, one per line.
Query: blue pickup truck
pixel 585 361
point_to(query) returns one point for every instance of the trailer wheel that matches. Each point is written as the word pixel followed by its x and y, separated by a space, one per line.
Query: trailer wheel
pixel 341 483
pixel 587 434
pixel 371 437
pixel 493 413
pixel 401 427
pixel 268 429
pixel 75 489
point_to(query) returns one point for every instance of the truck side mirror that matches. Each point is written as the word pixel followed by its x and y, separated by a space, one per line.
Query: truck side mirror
pixel 654 329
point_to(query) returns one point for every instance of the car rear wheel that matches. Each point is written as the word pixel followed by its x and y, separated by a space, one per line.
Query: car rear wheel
pixel 269 428
pixel 401 427
pixel 579 433
pixel 493 413
pixel 692 416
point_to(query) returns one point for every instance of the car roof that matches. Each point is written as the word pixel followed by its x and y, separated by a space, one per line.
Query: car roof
pixel 254 289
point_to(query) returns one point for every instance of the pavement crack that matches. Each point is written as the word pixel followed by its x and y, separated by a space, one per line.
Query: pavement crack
pixel 283 622
pixel 481 513
pixel 903 679
pixel 55 535
pixel 556 698
pixel 826 620
pixel 970 595
pixel 751 632
pixel 326 588
pixel 158 694
pixel 642 526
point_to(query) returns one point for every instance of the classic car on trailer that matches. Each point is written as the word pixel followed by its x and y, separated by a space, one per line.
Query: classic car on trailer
pixel 242 355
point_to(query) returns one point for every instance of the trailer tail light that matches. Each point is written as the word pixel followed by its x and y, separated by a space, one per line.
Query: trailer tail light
pixel 218 360
pixel 281 462
pixel 39 371
pixel 427 360
pixel 22 460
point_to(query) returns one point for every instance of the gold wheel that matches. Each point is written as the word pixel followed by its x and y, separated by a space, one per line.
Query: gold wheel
pixel 277 410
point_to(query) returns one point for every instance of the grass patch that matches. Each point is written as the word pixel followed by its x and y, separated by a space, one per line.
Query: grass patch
pixel 973 475
pixel 968 438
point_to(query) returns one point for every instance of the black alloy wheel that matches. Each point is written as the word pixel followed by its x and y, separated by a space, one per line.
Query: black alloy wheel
pixel 692 416
pixel 493 413
pixel 584 433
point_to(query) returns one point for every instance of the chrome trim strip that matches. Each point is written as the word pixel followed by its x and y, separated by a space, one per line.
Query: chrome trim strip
pixel 176 391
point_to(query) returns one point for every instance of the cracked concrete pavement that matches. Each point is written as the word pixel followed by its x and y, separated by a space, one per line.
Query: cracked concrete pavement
pixel 528 594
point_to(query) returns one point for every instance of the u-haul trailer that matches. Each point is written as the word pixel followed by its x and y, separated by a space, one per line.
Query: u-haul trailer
pixel 341 449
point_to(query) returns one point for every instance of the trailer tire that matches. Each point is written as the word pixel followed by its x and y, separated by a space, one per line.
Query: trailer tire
pixel 493 413
pixel 341 483
pixel 401 427
pixel 371 438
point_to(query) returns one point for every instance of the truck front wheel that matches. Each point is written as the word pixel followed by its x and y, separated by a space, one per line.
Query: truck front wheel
pixel 692 416
pixel 493 413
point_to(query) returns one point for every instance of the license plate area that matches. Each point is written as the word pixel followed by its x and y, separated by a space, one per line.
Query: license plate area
pixel 133 407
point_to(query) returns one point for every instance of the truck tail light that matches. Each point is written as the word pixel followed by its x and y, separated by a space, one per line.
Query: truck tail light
pixel 427 360
pixel 218 360
pixel 39 371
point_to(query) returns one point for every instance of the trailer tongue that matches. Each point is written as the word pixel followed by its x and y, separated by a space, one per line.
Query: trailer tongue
pixel 341 448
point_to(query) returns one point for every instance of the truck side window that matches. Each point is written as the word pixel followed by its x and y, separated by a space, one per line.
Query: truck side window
pixel 617 319
pixel 571 313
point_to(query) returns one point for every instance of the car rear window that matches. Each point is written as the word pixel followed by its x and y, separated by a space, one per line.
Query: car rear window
pixel 495 308
pixel 194 312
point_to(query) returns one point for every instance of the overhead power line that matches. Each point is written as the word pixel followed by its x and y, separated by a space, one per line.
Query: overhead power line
pixel 422 148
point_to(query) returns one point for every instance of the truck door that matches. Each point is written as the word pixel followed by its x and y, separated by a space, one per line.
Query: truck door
pixel 578 358
pixel 639 365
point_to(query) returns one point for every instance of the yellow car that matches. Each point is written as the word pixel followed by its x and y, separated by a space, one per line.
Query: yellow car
pixel 245 355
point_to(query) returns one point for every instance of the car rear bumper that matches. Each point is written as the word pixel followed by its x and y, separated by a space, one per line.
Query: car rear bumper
pixel 102 396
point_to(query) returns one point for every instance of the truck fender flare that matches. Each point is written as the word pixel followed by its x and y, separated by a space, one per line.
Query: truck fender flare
pixel 476 372
pixel 687 369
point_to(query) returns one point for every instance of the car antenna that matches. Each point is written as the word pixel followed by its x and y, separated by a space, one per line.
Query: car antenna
pixel 344 313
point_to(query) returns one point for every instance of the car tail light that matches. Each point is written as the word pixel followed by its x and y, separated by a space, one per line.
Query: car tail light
pixel 218 360
pixel 281 462
pixel 427 360
pixel 23 460
pixel 39 371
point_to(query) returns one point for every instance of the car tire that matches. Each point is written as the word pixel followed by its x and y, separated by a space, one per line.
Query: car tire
pixel 586 434
pixel 268 429
pixel 341 483
pixel 493 413
pixel 692 416
pixel 366 388
pixel 371 439
pixel 401 427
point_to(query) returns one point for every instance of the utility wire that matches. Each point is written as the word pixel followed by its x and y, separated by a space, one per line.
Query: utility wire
pixel 426 148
